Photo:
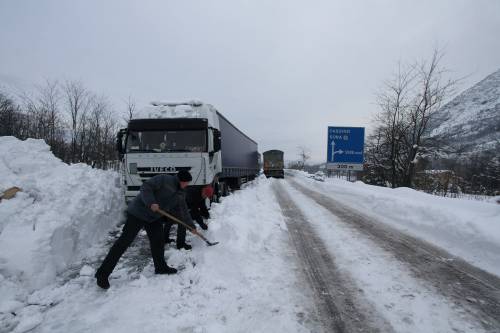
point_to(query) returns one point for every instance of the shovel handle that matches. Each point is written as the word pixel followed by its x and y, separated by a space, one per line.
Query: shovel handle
pixel 193 230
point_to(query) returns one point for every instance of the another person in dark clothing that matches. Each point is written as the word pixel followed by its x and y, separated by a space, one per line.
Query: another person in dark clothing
pixel 197 207
pixel 164 192
pixel 195 198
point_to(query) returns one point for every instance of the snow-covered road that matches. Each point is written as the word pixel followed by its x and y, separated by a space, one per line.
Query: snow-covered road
pixel 414 285
pixel 334 293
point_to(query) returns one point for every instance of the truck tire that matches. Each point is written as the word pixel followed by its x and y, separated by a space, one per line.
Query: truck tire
pixel 225 189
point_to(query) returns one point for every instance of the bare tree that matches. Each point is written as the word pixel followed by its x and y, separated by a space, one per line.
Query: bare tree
pixel 394 103
pixel 9 116
pixel 48 99
pixel 31 115
pixel 110 129
pixel 131 107
pixel 92 124
pixel 407 102
pixel 99 124
pixel 377 158
pixel 77 104
pixel 431 90
pixel 304 155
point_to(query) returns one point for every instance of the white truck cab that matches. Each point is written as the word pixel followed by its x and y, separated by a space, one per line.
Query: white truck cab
pixel 166 137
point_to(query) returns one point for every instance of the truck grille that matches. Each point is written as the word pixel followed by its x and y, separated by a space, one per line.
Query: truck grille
pixel 147 172
pixel 133 188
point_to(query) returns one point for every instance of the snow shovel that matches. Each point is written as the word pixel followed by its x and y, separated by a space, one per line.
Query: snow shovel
pixel 188 227
pixel 10 193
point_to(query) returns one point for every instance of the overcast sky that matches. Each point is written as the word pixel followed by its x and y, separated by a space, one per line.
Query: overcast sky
pixel 282 71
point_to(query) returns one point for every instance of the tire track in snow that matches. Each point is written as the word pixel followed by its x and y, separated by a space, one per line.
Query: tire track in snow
pixel 340 310
pixel 467 287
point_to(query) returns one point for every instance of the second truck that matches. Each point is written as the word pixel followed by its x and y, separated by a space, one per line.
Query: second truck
pixel 274 164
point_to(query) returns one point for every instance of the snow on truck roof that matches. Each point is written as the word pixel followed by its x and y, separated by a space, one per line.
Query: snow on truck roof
pixel 188 109
pixel 172 104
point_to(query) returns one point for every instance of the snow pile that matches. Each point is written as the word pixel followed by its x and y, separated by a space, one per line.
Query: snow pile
pixel 465 228
pixel 61 213
pixel 190 109
pixel 243 284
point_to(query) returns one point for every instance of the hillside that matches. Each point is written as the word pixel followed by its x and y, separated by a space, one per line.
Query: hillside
pixel 470 123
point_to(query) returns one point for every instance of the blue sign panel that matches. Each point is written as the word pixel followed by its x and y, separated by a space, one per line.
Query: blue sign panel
pixel 345 148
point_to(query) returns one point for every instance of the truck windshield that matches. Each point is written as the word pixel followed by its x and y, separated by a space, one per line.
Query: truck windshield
pixel 166 141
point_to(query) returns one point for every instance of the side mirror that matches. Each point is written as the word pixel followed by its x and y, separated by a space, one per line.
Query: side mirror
pixel 217 140
pixel 119 141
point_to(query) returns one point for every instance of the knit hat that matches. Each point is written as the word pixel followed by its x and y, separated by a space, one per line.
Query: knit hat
pixel 184 176
pixel 207 191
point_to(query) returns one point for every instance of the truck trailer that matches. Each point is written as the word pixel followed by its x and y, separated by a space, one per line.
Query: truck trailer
pixel 274 164
pixel 166 137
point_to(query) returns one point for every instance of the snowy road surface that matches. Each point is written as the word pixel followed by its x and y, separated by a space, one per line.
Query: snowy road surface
pixel 416 286
pixel 334 293
pixel 291 258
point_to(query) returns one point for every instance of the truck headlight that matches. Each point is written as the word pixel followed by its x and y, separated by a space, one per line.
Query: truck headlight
pixel 132 168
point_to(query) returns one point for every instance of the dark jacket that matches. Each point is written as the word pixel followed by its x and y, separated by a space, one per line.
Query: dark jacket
pixel 196 203
pixel 165 191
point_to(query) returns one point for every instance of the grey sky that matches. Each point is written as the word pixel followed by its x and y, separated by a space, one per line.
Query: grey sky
pixel 282 71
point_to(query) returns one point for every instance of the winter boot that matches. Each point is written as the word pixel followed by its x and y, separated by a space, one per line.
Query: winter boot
pixel 102 280
pixel 184 246
pixel 166 270
pixel 203 225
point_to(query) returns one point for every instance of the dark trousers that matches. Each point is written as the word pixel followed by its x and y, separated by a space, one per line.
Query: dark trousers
pixel 197 216
pixel 181 232
pixel 130 230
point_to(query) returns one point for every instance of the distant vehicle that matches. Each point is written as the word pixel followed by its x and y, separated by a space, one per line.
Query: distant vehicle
pixel 165 138
pixel 273 164
pixel 319 176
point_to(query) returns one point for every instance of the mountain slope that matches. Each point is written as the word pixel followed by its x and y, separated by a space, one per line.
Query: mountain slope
pixel 470 123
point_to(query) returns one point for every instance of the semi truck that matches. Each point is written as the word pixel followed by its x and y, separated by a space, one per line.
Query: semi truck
pixel 273 164
pixel 166 137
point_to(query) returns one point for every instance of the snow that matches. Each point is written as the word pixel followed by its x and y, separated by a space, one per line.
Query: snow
pixel 468 124
pixel 55 232
pixel 190 109
pixel 62 210
pixel 472 105
pixel 408 304
pixel 244 284
pixel 465 228
pixel 193 102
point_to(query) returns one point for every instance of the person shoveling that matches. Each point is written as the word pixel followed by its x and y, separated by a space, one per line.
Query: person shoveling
pixel 158 195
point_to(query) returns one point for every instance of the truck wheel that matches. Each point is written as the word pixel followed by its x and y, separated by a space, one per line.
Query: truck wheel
pixel 225 189
pixel 236 184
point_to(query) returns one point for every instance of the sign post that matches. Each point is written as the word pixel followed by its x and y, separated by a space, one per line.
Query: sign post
pixel 345 148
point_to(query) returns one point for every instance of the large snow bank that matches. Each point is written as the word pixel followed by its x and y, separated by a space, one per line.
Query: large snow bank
pixel 465 228
pixel 62 211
